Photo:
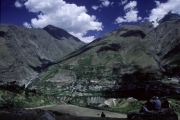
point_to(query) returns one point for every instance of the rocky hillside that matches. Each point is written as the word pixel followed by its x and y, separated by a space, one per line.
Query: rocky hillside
pixel 137 61
pixel 24 52
pixel 131 54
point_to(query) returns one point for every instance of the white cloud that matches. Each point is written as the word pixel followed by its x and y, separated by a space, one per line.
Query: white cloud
pixel 27 25
pixel 120 20
pixel 82 37
pixel 18 4
pixel 105 3
pixel 95 7
pixel 162 9
pixel 70 17
pixel 123 2
pixel 131 14
pixel 130 5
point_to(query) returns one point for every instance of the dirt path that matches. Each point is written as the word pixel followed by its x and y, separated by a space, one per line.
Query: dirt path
pixel 81 111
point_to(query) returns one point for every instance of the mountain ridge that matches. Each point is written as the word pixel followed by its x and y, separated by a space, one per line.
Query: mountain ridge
pixel 120 68
pixel 24 51
pixel 131 53
pixel 58 33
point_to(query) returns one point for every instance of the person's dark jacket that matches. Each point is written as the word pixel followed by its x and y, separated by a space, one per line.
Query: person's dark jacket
pixel 156 104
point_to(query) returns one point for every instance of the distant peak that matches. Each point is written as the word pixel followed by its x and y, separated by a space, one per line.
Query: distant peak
pixel 51 27
pixel 170 17
pixel 59 33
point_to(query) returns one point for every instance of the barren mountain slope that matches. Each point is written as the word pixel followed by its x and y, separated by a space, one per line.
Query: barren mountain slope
pixel 25 52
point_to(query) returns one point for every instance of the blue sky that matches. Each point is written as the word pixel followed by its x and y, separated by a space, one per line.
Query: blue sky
pixel 85 19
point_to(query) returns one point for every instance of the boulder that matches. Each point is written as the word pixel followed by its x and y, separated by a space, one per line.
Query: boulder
pixel 163 114
pixel 46 116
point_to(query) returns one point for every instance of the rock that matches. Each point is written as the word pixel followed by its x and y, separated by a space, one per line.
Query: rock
pixel 164 114
pixel 12 113
pixel 46 116
pixel 131 99
pixel 42 101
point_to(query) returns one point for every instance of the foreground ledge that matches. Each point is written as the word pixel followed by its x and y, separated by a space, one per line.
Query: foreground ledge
pixel 163 114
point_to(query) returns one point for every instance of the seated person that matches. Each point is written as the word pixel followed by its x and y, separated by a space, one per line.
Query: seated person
pixel 103 115
pixel 156 103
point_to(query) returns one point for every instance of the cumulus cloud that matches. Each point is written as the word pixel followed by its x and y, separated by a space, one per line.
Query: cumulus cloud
pixel 123 2
pixel 162 9
pixel 130 5
pixel 131 14
pixel 105 3
pixel 95 7
pixel 120 20
pixel 18 4
pixel 70 17
pixel 81 37
pixel 27 25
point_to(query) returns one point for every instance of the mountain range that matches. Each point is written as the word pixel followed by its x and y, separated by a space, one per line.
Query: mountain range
pixel 131 53
pixel 140 52
pixel 116 72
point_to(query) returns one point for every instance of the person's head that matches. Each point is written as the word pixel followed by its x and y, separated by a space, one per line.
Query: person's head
pixel 155 98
